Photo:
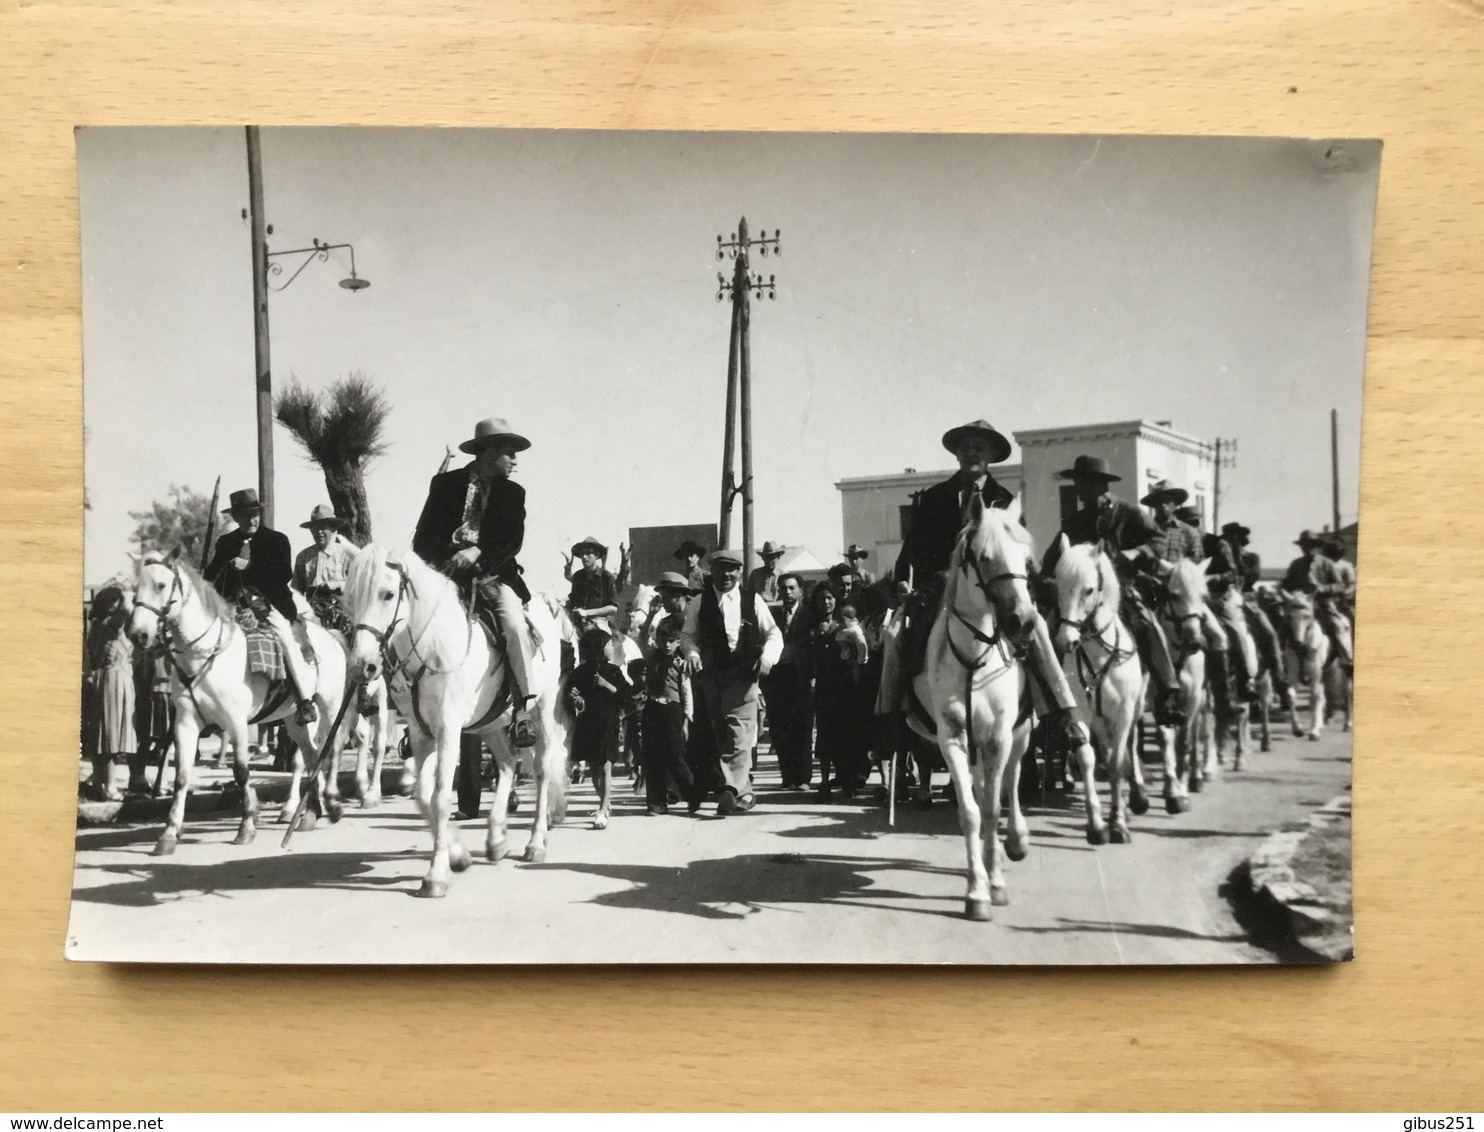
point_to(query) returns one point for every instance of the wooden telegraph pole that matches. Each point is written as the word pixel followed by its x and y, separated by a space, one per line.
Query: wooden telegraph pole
pixel 263 377
pixel 1226 457
pixel 741 287
pixel 1334 468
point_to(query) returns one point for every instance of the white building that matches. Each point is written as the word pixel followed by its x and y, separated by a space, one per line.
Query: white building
pixel 875 509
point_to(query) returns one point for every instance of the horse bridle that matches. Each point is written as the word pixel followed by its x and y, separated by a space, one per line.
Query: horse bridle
pixel 383 637
pixel 966 563
pixel 170 635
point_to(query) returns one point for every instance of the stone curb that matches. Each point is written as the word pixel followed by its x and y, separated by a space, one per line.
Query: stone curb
pixel 214 798
pixel 1312 922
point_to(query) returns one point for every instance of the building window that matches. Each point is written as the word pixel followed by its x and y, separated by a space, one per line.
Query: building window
pixel 1068 502
pixel 904 522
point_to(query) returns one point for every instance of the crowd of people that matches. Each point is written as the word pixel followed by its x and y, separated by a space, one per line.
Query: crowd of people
pixel 677 690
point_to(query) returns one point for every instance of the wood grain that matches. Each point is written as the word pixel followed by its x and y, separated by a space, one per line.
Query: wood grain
pixel 1398 1029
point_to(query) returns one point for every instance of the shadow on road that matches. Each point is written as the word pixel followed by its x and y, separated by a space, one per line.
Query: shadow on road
pixel 1113 927
pixel 733 888
pixel 150 881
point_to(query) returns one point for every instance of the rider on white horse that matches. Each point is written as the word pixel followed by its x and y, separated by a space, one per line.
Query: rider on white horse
pixel 937 520
pixel 1121 527
pixel 1313 573
pixel 1173 542
pixel 473 525
pixel 1233 564
pixel 255 557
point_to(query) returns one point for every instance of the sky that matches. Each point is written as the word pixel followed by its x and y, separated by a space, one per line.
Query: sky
pixel 566 280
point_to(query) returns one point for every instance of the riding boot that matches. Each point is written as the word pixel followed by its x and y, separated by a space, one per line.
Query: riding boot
pixel 510 620
pixel 1154 651
pixel 298 659
pixel 1064 721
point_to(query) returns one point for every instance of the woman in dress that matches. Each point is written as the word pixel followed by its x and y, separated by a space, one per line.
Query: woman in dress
pixel 111 685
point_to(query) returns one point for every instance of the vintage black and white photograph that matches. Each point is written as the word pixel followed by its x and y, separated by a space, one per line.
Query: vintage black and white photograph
pixel 556 546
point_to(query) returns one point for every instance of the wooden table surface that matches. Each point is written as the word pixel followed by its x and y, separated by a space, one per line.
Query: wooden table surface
pixel 1397 1029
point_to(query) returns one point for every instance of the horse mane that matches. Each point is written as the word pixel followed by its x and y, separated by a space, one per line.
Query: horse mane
pixel 1079 565
pixel 993 536
pixel 1188 582
pixel 215 604
pixel 436 615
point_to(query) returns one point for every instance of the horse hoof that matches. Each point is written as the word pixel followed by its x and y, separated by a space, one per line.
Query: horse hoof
pixel 431 889
pixel 999 895
pixel 1182 805
pixel 977 910
pixel 1119 835
pixel 306 822
pixel 1313 738
pixel 1138 800
pixel 245 836
pixel 496 853
pixel 404 788
pixel 370 802
pixel 1197 785
pixel 534 855
pixel 334 810
pixel 163 847
pixel 458 857
pixel 1016 851
pixel 1097 836
pixel 1266 746
pixel 285 813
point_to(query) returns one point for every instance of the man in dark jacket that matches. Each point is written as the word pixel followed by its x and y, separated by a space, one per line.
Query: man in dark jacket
pixel 257 558
pixel 786 689
pixel 473 525
pixel 937 520
pixel 1120 527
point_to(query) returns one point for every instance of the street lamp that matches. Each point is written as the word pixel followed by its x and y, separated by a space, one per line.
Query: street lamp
pixel 263 266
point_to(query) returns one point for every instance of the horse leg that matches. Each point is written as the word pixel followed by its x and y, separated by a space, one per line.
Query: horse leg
pixel 378 728
pixel 1265 712
pixel 1017 832
pixel 291 801
pixel 545 767
pixel 435 795
pixel 241 770
pixel 970 821
pixel 1176 800
pixel 1316 723
pixel 187 732
pixel 363 752
pixel 327 780
pixel 1097 830
pixel 1138 793
pixel 1295 678
pixel 989 776
pixel 1118 769
pixel 497 831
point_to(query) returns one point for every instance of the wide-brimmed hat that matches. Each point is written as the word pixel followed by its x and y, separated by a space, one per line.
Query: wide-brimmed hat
pixel 244 502
pixel 670 580
pixel 1308 538
pixel 490 430
pixel 732 556
pixel 1164 491
pixel 1235 531
pixel 1188 514
pixel 324 515
pixel 768 550
pixel 1335 544
pixel 856 550
pixel 999 447
pixel 1089 468
pixel 689 546
pixel 592 544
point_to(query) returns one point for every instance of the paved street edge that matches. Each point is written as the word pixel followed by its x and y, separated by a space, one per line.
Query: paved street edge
pixel 1307 918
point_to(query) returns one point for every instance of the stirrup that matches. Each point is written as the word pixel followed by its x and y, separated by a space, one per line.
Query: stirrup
pixel 306 713
pixel 522 729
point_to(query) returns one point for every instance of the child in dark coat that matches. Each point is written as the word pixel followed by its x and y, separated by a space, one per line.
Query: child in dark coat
pixel 597 692
pixel 667 714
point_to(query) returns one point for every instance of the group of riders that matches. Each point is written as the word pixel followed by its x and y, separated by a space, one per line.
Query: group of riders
pixel 472 527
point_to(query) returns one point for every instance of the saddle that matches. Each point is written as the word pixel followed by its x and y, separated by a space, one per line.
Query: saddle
pixel 921 610
pixel 265 655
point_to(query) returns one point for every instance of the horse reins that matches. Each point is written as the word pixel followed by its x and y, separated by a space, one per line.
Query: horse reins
pixel 171 640
pixel 1088 626
pixel 990 642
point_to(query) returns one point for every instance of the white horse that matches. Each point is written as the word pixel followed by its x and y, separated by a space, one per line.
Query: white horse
pixel 1231 612
pixel 1182 614
pixel 212 685
pixel 1106 676
pixel 1307 655
pixel 446 675
pixel 973 690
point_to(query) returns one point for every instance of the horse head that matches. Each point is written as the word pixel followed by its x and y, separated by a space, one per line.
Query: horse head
pixel 376 592
pixel 1298 612
pixel 995 551
pixel 159 590
pixel 1086 585
pixel 1186 589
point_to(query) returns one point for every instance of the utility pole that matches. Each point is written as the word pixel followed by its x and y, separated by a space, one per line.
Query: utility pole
pixel 1334 468
pixel 742 286
pixel 1225 456
pixel 263 378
